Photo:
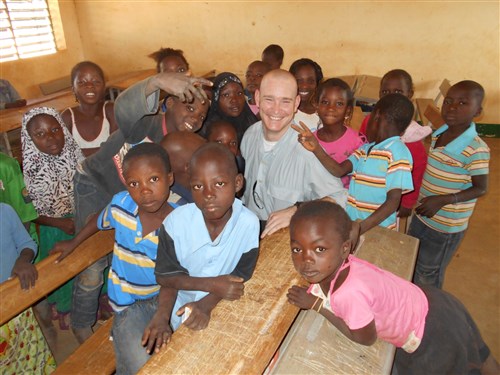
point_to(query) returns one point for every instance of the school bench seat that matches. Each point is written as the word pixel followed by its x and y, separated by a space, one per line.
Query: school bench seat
pixel 94 356
pixel 51 275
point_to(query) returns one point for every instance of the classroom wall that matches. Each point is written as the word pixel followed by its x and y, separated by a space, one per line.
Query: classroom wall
pixel 26 74
pixel 433 40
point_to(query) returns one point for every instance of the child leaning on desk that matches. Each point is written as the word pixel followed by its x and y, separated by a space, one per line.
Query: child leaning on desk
pixel 136 215
pixel 432 330
pixel 207 249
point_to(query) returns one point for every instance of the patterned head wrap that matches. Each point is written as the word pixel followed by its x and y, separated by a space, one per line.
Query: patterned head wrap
pixel 49 178
pixel 221 81
pixel 243 121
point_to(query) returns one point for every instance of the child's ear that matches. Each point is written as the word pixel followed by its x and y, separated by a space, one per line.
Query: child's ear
pixel 238 182
pixel 257 97
pixel 170 179
pixel 346 249
pixel 479 111
pixel 170 102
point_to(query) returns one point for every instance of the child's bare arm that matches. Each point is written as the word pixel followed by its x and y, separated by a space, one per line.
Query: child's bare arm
pixel 225 286
pixel 429 206
pixel 307 139
pixel 66 224
pixel 66 247
pixel 390 205
pixel 158 332
pixel 364 336
pixel 299 297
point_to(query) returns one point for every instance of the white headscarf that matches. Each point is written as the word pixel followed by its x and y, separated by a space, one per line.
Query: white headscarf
pixel 49 178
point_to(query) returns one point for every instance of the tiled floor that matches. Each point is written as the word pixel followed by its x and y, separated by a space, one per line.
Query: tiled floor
pixel 473 276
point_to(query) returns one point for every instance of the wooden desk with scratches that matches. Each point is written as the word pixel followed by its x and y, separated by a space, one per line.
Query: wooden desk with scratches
pixel 12 118
pixel 243 335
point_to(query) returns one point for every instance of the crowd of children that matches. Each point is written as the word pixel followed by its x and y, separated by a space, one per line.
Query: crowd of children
pixel 184 240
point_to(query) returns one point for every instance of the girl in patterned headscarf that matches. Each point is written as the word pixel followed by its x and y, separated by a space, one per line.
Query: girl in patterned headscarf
pixel 50 157
pixel 229 104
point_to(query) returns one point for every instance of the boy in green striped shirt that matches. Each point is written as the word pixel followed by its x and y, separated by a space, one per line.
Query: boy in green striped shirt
pixel 455 176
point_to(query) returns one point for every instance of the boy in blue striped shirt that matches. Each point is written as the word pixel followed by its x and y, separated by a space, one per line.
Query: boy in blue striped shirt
pixel 136 215
pixel 455 176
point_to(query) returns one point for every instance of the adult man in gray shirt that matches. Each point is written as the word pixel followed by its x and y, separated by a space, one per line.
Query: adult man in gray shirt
pixel 280 172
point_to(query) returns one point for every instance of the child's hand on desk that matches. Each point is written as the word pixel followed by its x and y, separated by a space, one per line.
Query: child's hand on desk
pixel 26 272
pixel 199 314
pixel 157 334
pixel 64 248
pixel 430 205
pixel 227 287
pixel 298 296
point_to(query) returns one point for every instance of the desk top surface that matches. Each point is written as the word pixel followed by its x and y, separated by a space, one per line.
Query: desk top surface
pixel 12 118
pixel 243 335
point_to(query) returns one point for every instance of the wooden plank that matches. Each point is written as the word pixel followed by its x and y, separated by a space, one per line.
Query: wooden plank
pixel 51 275
pixel 12 119
pixel 126 80
pixel 350 80
pixel 315 346
pixel 94 356
pixel 242 335
pixel 357 118
pixel 422 104
pixel 434 115
pixel 55 85
pixel 367 89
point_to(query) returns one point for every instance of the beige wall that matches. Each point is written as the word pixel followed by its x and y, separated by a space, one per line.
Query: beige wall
pixel 431 40
pixel 26 74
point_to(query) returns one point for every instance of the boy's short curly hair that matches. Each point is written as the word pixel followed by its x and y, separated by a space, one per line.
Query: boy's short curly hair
pixel 150 150
pixel 399 73
pixel 324 210
pixel 163 53
pixel 397 110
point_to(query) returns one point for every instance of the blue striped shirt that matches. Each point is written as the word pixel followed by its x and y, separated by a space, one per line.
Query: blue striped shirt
pixel 449 170
pixel 376 170
pixel 131 275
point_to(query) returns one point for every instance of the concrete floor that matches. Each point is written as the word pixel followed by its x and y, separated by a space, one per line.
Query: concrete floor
pixel 473 275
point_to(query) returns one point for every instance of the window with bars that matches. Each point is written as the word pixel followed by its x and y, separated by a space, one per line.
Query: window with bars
pixel 25 29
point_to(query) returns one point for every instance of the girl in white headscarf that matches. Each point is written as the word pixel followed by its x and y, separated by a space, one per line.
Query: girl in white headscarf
pixel 50 156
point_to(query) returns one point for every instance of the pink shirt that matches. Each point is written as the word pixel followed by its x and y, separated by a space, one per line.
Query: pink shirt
pixel 398 307
pixel 343 147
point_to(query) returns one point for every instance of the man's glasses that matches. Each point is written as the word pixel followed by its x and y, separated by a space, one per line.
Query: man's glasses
pixel 256 199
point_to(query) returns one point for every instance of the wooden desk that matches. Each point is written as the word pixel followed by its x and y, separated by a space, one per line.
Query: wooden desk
pixel 11 119
pixel 124 81
pixel 314 346
pixel 243 335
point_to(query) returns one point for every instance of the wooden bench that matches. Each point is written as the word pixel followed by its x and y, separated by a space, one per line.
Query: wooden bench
pixel 96 355
pixel 243 335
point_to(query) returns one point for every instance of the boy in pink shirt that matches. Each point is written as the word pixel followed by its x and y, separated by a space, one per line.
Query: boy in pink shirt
pixel 433 332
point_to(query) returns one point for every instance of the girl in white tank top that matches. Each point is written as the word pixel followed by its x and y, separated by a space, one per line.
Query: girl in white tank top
pixel 93 120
